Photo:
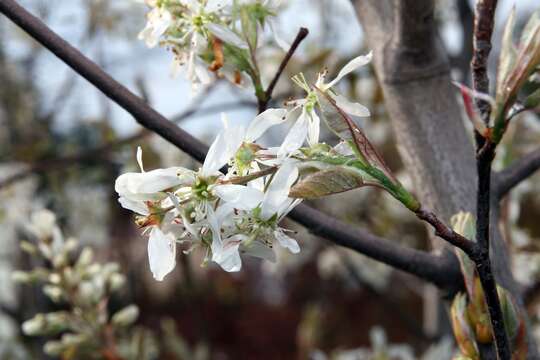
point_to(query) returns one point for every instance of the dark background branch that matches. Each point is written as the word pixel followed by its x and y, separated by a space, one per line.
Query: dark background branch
pixel 507 179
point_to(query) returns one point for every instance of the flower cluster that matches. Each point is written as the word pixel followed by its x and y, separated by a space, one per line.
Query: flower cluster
pixel 238 210
pixel 211 36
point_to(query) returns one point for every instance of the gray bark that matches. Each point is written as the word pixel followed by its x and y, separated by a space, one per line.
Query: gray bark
pixel 437 150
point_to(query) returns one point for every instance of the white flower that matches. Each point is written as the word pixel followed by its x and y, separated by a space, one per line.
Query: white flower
pixel 159 21
pixel 348 106
pixel 247 153
pixel 307 125
pixel 186 27
pixel 208 209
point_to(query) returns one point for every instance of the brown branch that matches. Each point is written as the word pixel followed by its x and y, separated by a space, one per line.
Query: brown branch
pixel 440 270
pixel 483 29
pixel 422 264
pixel 507 179
pixel 143 114
pixel 263 103
pixel 446 233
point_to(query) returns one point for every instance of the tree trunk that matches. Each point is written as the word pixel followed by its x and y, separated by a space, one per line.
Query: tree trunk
pixel 437 150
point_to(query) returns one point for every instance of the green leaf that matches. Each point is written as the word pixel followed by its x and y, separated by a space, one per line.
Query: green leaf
pixel 327 182
pixel 508 54
pixel 530 28
pixel 511 316
pixel 533 100
pixel 249 26
pixel 464 224
pixel 527 60
pixel 239 58
pixel 462 330
pixel 344 127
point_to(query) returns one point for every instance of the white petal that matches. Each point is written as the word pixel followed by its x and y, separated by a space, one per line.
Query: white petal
pixel 159 180
pixel 216 5
pixel 263 122
pixel 296 136
pixel 215 226
pixel 287 207
pixel 277 194
pixel 222 150
pixel 284 45
pixel 314 128
pixel 287 241
pixel 227 256
pixel 127 185
pixel 136 206
pixel 350 67
pixel 139 158
pixel 227 35
pixel 350 107
pixel 259 250
pixel 214 158
pixel 161 253
pixel 239 196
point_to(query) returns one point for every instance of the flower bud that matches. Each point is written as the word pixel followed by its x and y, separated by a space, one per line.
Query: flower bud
pixel 85 258
pixel 55 278
pixel 21 277
pixel 73 340
pixel 126 317
pixel 59 260
pixel 55 293
pixel 28 247
pixel 53 348
pixel 34 326
pixel 116 281
pixel 70 245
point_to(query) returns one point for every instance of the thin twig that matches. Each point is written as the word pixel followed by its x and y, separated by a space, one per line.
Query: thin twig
pixel 92 155
pixel 302 34
pixel 507 179
pixel 441 270
pixel 446 233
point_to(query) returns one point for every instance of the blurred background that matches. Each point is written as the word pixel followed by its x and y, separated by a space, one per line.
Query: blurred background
pixel 62 145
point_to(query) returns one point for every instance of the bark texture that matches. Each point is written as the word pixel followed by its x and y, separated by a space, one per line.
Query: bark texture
pixel 412 67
